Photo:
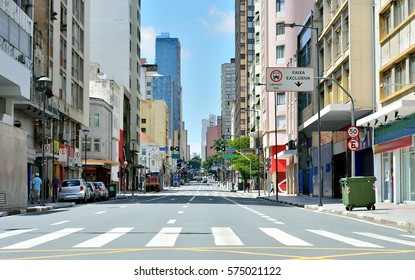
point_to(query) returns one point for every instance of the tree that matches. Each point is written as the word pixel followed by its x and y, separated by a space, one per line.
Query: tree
pixel 195 163
pixel 219 144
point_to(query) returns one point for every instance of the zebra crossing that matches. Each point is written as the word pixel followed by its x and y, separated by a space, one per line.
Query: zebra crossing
pixel 217 236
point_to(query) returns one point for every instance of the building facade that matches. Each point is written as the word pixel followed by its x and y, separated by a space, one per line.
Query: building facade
pixel 228 76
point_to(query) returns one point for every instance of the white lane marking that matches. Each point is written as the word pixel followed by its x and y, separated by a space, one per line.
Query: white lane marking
pixel 171 222
pixel 105 238
pixel 14 232
pixel 284 238
pixel 166 237
pixel 185 206
pixel 180 212
pixel 123 206
pixel 100 212
pixel 410 236
pixel 225 236
pixel 345 239
pixel 43 239
pixel 59 223
pixel 390 239
pixel 192 198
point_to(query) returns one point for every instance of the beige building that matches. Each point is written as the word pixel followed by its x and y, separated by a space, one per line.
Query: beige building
pixel 155 121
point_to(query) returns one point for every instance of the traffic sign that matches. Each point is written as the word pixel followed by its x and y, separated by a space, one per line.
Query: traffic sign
pixel 353 145
pixel 290 79
pixel 353 131
pixel 163 149
pixel 229 156
pixel 230 149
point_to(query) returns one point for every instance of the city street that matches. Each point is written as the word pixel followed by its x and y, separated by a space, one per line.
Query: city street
pixel 197 222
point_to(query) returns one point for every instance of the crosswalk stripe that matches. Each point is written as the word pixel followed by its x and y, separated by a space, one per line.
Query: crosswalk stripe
pixel 42 239
pixel 390 239
pixel 105 238
pixel 284 238
pixel 14 232
pixel 225 236
pixel 345 239
pixel 166 237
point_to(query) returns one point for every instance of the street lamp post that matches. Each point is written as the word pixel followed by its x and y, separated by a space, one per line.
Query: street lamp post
pixel 319 167
pixel 85 131
pixel 257 146
pixel 133 161
pixel 44 83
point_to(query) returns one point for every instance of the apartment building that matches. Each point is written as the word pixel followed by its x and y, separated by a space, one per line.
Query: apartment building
pixel 275 46
pixel 393 117
pixel 228 76
pixel 244 55
pixel 16 129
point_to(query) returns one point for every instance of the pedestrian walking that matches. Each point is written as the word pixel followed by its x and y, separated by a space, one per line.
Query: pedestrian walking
pixel 272 189
pixel 55 185
pixel 36 185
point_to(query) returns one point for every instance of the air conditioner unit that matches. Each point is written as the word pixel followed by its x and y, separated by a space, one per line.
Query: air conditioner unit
pixel 21 59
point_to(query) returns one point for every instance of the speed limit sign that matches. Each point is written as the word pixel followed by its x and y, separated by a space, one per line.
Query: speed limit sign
pixel 353 131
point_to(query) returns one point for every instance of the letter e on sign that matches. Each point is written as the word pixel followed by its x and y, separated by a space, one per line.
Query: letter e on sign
pixel 353 145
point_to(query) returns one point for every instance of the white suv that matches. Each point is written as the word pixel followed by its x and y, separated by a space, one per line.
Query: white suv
pixel 74 190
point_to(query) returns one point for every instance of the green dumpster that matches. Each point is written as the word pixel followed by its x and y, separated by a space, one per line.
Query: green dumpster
pixel 358 192
pixel 112 190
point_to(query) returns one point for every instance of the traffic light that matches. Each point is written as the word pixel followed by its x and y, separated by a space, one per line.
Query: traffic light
pixel 223 149
pixel 176 148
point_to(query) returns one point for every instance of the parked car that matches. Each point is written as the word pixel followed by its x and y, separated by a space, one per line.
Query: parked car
pixel 94 192
pixel 74 190
pixel 103 191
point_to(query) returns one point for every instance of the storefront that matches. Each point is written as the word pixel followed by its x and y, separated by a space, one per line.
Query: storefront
pixel 395 162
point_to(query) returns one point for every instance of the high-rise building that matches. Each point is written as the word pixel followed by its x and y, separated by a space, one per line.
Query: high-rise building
pixel 244 55
pixel 115 45
pixel 169 64
pixel 227 95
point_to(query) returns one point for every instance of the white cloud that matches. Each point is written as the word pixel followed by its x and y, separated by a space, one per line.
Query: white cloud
pixel 219 21
pixel 148 43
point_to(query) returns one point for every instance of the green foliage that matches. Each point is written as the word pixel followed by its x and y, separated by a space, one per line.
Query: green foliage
pixel 195 163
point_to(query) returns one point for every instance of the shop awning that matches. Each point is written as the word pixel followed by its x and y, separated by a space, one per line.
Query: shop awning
pixel 100 162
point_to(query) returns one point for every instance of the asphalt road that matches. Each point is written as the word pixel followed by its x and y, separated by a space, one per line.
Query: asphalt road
pixel 197 222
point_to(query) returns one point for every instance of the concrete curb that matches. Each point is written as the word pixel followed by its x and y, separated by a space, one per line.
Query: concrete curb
pixel 401 224
pixel 34 209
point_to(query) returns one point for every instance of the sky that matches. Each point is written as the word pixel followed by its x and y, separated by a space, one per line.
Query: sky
pixel 205 29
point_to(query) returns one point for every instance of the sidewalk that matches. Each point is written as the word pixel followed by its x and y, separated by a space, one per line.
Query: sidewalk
pixel 391 214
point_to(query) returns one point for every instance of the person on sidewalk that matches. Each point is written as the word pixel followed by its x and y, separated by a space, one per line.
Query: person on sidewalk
pixel 36 184
pixel 55 185
pixel 272 189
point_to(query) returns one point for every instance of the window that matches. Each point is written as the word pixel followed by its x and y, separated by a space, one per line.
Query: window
pixel 143 120
pixel 97 145
pixel 96 120
pixel 88 144
pixel 281 98
pixel 257 59
pixel 399 12
pixel 280 52
pixel 412 68
pixel 400 72
pixel 143 130
pixel 280 5
pixel 281 122
pixel 257 37
pixel 387 83
pixel 280 29
pixel 386 23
